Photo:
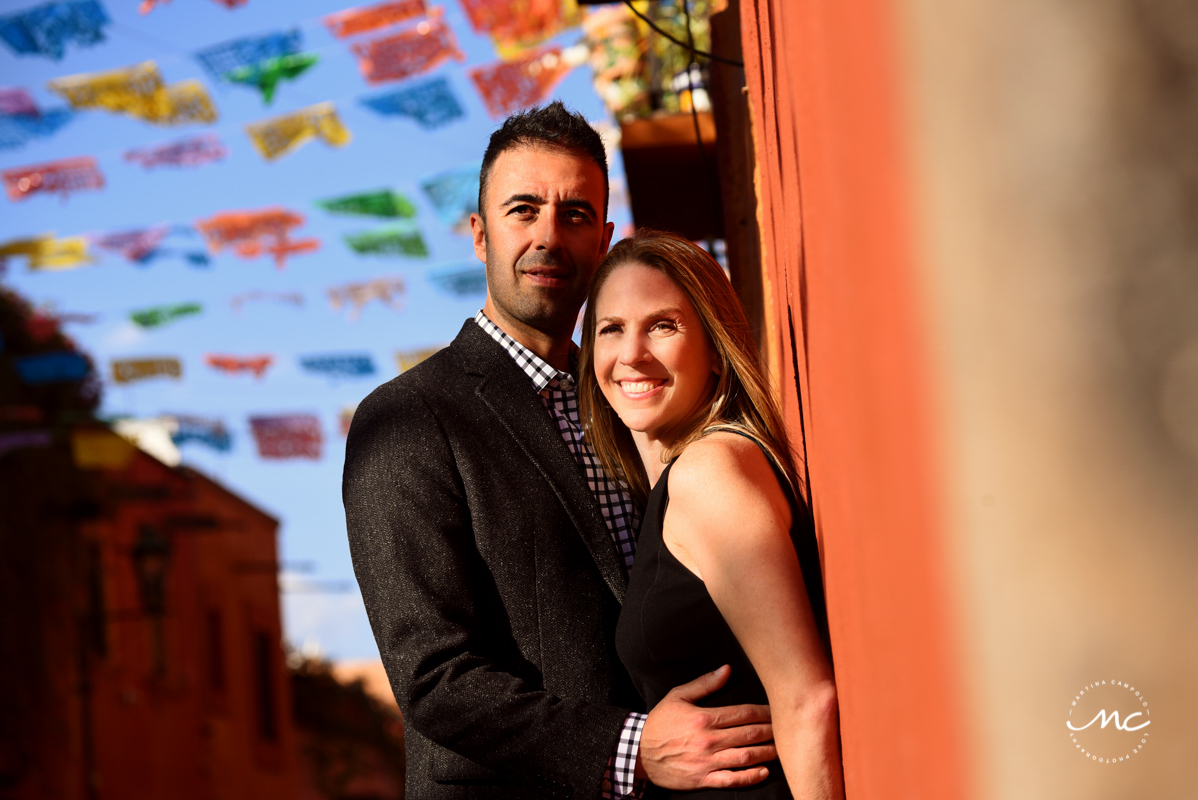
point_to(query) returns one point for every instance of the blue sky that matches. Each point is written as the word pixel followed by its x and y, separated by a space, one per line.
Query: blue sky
pixel 386 152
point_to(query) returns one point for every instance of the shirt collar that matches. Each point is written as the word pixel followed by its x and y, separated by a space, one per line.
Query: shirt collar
pixel 540 373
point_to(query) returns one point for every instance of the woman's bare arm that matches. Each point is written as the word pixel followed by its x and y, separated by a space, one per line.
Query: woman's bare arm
pixel 728 521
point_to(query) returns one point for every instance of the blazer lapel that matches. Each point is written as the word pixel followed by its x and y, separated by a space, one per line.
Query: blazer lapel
pixel 508 393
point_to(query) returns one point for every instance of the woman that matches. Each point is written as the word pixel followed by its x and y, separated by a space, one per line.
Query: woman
pixel 678 406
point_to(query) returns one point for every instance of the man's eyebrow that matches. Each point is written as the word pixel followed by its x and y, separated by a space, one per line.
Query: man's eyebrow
pixel 523 198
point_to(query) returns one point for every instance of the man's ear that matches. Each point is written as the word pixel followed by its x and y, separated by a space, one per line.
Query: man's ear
pixel 608 229
pixel 478 230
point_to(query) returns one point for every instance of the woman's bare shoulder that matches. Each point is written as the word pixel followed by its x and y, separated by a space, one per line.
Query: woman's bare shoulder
pixel 722 472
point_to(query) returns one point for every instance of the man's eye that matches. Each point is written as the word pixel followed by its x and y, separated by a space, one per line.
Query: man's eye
pixel 521 209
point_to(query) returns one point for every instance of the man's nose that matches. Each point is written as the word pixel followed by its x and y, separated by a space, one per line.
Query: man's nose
pixel 549 231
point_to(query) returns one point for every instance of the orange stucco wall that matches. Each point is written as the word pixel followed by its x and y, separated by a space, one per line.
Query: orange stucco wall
pixel 843 312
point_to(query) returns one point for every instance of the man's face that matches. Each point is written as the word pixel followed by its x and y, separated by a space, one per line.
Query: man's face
pixel 543 237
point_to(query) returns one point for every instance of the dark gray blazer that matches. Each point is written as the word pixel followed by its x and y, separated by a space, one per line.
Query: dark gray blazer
pixel 491 581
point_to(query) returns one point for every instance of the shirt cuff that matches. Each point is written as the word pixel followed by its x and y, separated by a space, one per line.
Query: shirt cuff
pixel 619 780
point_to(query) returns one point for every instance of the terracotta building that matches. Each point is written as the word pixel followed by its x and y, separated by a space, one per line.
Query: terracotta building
pixel 142 631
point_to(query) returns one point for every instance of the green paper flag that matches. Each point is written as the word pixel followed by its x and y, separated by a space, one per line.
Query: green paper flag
pixel 265 75
pixel 404 240
pixel 383 203
pixel 160 315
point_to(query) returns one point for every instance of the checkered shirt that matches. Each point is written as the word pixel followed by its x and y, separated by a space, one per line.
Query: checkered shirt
pixel 557 392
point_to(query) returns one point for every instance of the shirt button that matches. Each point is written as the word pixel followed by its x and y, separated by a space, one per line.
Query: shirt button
pixel 565 382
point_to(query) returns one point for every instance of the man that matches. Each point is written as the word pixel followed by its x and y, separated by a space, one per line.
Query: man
pixel 491 549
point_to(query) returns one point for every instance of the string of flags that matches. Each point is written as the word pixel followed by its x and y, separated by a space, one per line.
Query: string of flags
pixel 364 19
pixel 193 151
pixel 508 86
pixel 412 51
pixel 139 92
pixel 432 104
pixel 516 25
pixel 158 316
pixel 225 57
pixel 140 246
pixel 132 370
pixel 277 136
pixel 47 252
pixel 21 120
pixel 47 29
pixel 252 233
pixel 402 238
pixel 234 365
pixel 292 436
pixel 61 177
pixel 454 195
pixel 355 296
pixel 356 365
pixel 383 203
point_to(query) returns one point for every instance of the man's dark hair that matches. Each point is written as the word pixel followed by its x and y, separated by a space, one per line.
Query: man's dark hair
pixel 552 126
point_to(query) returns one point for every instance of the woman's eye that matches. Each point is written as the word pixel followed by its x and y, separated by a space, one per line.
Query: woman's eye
pixel 663 325
pixel 609 329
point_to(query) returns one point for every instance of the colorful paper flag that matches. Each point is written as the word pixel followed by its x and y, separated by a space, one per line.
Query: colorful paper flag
pixel 278 136
pixel 355 365
pixel 410 52
pixel 210 432
pixel 295 298
pixel 45 30
pixel 19 440
pixel 139 92
pixel 228 56
pixel 355 296
pixel 158 316
pixel 292 436
pixel 432 104
pixel 402 239
pixel 96 448
pixel 153 435
pixel 17 102
pixel 61 177
pixel 345 418
pixel 237 364
pixel 508 86
pixel 467 281
pixel 62 367
pixel 455 195
pixel 516 25
pixel 406 359
pixel 251 233
pixel 130 370
pixel 363 19
pixel 48 253
pixel 18 129
pixel 383 203
pixel 266 75
pixel 136 245
pixel 193 151
pixel 149 5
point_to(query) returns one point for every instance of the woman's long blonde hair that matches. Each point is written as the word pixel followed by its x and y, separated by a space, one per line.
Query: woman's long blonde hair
pixel 742 400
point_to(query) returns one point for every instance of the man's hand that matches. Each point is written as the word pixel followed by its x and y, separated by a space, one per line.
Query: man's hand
pixel 686 747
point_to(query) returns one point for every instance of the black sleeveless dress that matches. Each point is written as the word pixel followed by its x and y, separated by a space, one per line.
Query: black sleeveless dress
pixel 670 631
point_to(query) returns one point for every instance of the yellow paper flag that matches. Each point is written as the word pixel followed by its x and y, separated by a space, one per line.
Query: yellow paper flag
pixel 406 359
pixel 278 136
pixel 99 449
pixel 136 369
pixel 48 253
pixel 139 92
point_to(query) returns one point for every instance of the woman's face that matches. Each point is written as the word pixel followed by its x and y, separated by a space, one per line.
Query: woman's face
pixel 653 360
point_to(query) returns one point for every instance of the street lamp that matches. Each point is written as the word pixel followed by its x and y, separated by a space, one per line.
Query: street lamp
pixel 151 556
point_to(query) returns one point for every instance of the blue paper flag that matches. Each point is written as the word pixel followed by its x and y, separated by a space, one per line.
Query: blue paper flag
pixel 52 367
pixel 211 432
pixel 45 30
pixel 455 195
pixel 339 366
pixel 432 104
pixel 17 129
pixel 247 52
pixel 461 281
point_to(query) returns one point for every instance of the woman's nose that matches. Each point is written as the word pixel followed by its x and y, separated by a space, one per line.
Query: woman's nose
pixel 635 350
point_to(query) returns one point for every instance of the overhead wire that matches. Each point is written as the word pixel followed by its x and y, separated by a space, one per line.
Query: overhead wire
pixel 653 25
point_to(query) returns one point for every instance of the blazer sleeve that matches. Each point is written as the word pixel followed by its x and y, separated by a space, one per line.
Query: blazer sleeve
pixel 418 567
